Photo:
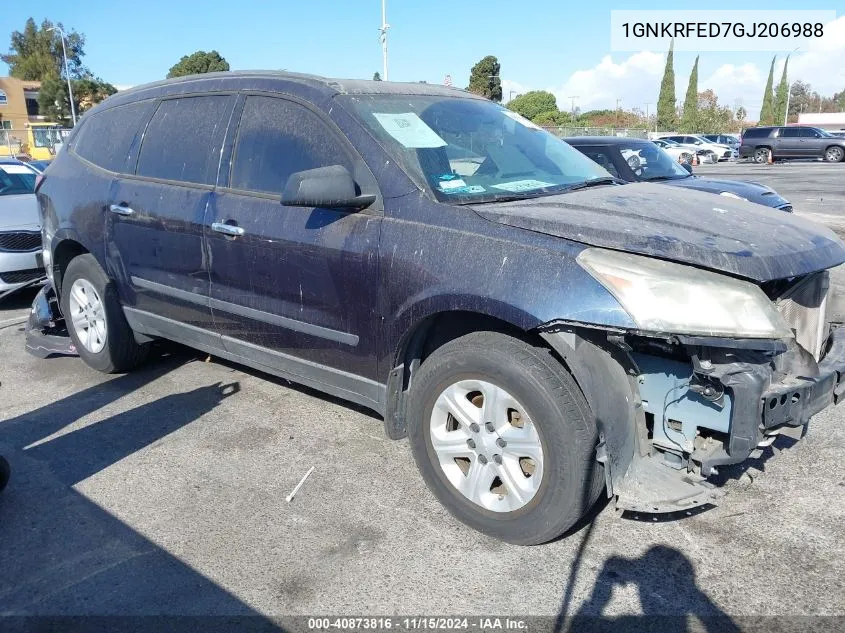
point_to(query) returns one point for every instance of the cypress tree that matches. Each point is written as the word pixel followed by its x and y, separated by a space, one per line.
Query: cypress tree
pixel 689 118
pixel 767 112
pixel 782 96
pixel 667 118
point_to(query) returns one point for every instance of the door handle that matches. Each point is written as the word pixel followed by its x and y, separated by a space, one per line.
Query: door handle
pixel 121 209
pixel 227 229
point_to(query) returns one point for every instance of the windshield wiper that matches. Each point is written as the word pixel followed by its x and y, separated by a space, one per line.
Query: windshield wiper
pixel 595 182
pixel 658 178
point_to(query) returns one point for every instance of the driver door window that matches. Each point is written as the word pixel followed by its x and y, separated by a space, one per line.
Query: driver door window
pixel 277 138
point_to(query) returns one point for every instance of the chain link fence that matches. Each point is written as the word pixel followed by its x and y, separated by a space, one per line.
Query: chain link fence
pixel 563 132
pixel 34 142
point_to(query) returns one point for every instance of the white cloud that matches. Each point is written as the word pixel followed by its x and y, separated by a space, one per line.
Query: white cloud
pixel 636 80
pixel 632 81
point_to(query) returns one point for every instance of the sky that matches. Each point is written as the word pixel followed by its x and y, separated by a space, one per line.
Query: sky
pixel 563 47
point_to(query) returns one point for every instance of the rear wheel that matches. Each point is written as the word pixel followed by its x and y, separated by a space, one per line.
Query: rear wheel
pixel 504 438
pixel 834 154
pixel 95 319
pixel 761 155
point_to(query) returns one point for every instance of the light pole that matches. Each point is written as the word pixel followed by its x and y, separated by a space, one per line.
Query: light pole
pixel 383 37
pixel 572 99
pixel 788 89
pixel 67 73
pixel 617 111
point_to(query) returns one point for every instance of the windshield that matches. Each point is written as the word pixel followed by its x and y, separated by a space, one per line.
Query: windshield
pixel 635 161
pixel 16 179
pixel 469 150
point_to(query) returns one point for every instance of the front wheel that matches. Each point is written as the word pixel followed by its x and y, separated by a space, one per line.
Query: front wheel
pixel 95 320
pixel 504 438
pixel 761 155
pixel 834 154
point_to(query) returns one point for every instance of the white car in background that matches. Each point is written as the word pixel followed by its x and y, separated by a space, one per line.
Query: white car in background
pixel 681 153
pixel 20 227
pixel 723 152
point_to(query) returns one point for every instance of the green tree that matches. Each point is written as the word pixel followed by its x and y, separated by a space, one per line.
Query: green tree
pixel 741 113
pixel 54 103
pixel 198 63
pixel 667 117
pixel 767 112
pixel 376 76
pixel 840 101
pixel 712 117
pixel 689 117
pixel 782 96
pixel 484 79
pixel 36 52
pixel 531 104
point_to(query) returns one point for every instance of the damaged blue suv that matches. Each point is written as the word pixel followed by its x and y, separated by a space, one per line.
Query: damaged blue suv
pixel 540 331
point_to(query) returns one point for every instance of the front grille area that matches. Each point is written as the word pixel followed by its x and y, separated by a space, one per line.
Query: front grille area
pixel 20 241
pixel 804 308
pixel 22 276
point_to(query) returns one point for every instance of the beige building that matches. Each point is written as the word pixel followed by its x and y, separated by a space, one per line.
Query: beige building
pixel 18 103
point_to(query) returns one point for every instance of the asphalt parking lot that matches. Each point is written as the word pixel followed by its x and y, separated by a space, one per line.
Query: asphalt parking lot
pixel 163 492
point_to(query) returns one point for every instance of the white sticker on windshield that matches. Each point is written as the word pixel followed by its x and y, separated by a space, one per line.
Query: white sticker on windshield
pixel 521 119
pixel 523 185
pixel 16 169
pixel 452 184
pixel 409 129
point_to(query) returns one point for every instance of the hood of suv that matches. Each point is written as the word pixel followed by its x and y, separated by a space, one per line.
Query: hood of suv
pixel 20 212
pixel 692 227
pixel 751 191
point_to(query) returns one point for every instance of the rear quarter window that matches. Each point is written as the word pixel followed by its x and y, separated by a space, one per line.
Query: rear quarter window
pixel 756 133
pixel 183 139
pixel 107 137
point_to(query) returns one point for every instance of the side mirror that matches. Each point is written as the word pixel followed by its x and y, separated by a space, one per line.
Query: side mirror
pixel 687 166
pixel 329 187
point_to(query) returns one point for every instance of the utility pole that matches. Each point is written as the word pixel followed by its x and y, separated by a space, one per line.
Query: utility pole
pixel 617 111
pixel 647 124
pixel 67 74
pixel 573 98
pixel 383 35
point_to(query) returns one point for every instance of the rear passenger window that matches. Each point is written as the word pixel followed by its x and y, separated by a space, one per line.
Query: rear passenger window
pixel 755 133
pixel 183 139
pixel 277 138
pixel 107 137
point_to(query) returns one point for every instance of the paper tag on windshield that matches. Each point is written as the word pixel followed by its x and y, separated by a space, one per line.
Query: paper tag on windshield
pixel 521 119
pixel 410 130
pixel 523 185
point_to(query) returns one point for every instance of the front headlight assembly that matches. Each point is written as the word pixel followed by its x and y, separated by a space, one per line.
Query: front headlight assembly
pixel 664 297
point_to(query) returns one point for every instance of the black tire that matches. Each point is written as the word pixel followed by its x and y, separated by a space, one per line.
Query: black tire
pixel 572 479
pixel 761 155
pixel 121 352
pixel 834 154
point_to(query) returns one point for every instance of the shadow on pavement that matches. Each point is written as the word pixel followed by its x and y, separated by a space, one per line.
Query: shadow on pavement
pixel 61 554
pixel 664 578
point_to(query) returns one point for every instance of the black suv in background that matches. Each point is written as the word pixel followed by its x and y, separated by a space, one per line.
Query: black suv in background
pixel 793 141
pixel 538 330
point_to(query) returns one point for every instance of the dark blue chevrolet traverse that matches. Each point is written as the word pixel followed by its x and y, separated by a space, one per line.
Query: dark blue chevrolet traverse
pixel 540 332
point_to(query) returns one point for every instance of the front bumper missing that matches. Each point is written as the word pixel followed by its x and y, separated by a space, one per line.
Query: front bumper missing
pixel 46 333
pixel 763 396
